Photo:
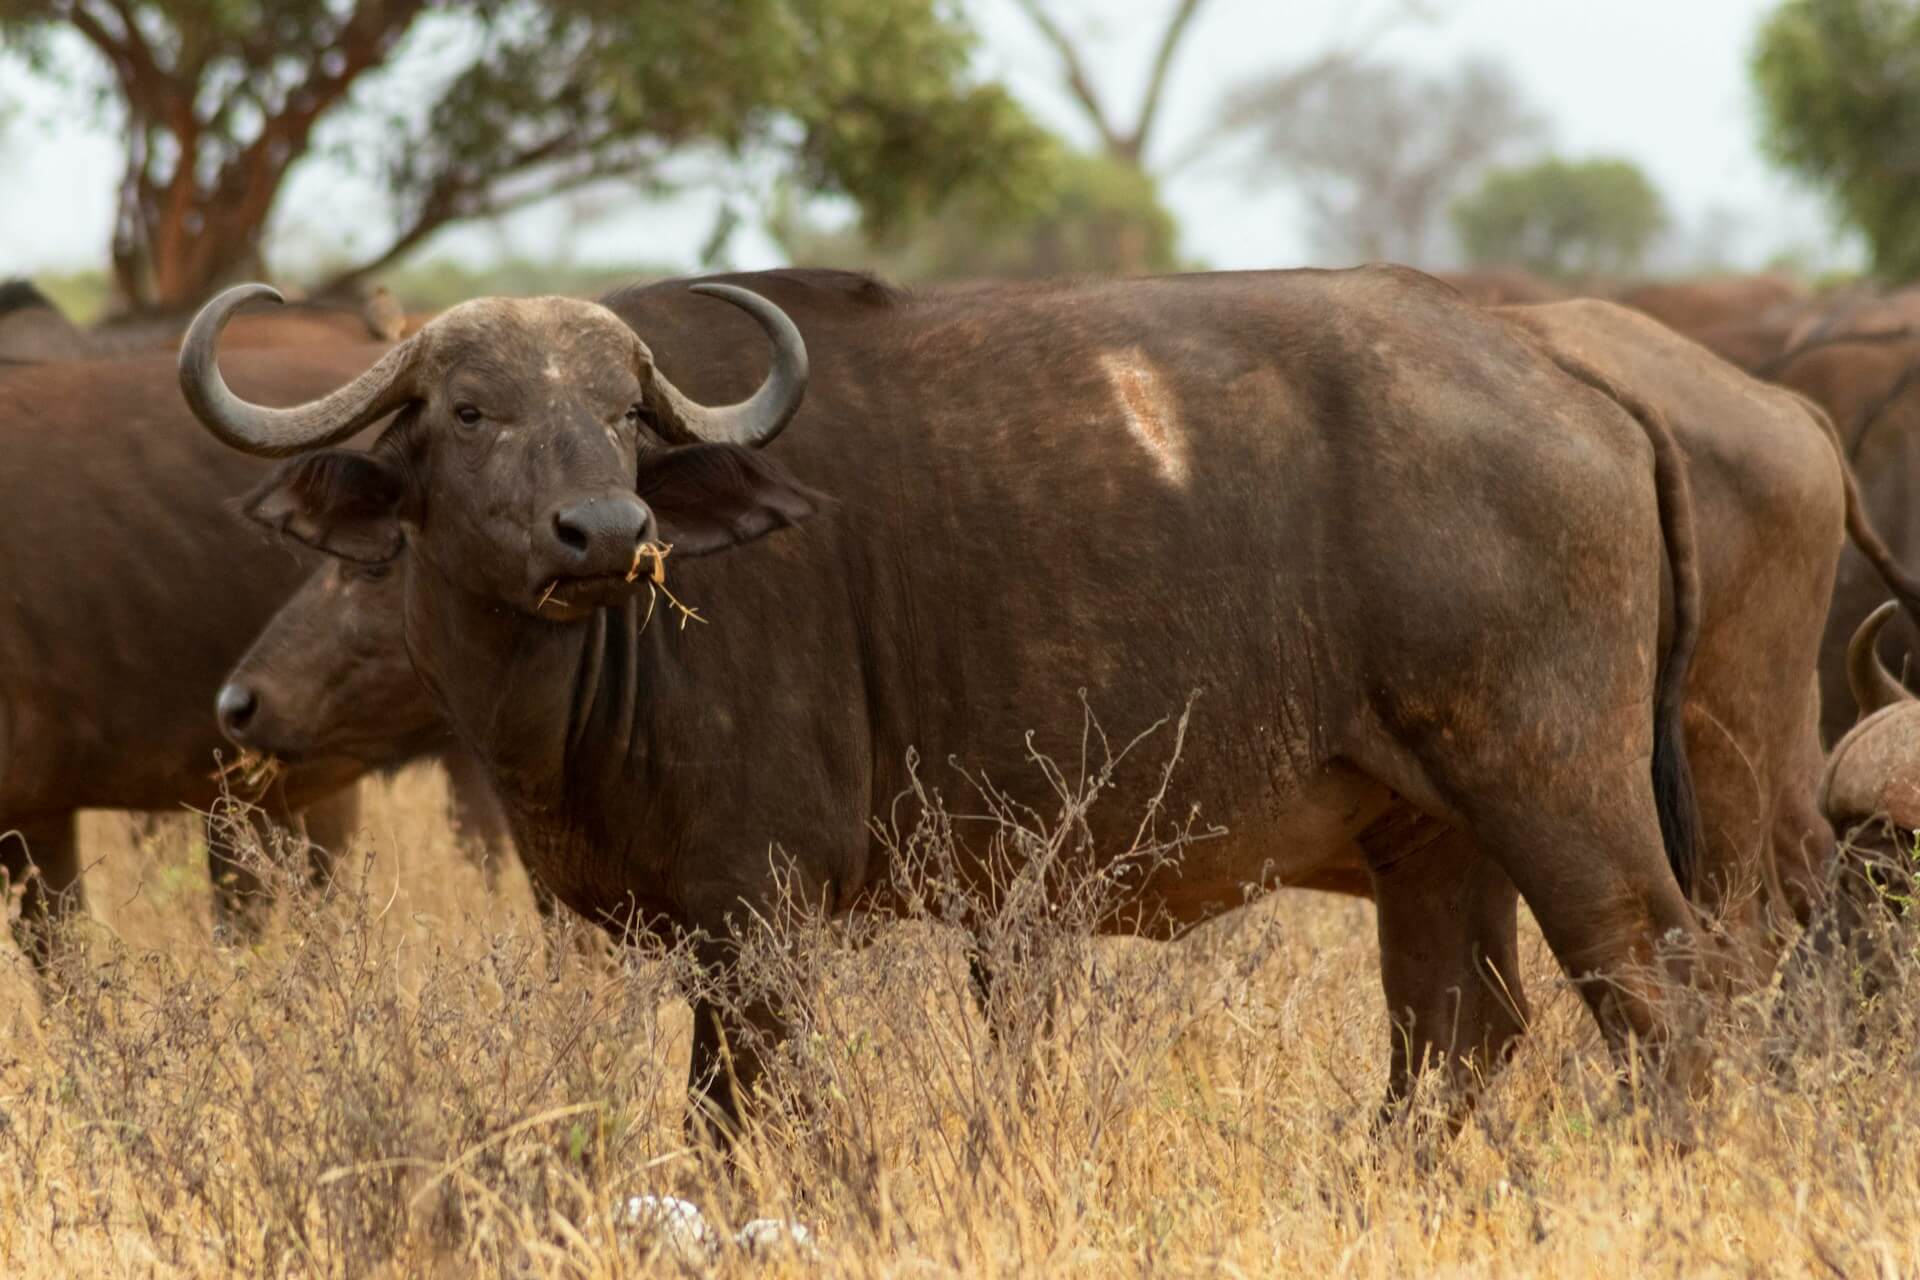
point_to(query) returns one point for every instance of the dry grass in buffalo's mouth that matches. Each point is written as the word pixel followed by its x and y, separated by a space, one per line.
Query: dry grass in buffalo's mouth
pixel 656 584
pixel 253 771
pixel 657 581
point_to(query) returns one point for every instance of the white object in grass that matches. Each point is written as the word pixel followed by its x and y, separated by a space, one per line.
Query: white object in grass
pixel 679 1223
pixel 764 1236
pixel 684 1230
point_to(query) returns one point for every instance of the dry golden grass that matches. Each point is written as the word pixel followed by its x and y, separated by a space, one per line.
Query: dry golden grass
pixel 398 1081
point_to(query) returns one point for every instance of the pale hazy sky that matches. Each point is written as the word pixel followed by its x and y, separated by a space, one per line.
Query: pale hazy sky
pixel 1662 81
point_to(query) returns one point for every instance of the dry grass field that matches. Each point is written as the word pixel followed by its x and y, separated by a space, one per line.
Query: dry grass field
pixel 410 1078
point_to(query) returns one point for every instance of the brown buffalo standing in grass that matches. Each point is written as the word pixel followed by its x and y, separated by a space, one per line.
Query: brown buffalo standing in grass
pixel 1775 504
pixel 1418 573
pixel 130 590
pixel 1867 384
pixel 331 675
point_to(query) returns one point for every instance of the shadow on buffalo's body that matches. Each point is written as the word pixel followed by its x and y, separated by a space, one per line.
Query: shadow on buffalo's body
pixel 1459 670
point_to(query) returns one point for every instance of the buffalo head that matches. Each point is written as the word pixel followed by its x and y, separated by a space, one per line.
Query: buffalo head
pixel 329 678
pixel 1874 771
pixel 535 451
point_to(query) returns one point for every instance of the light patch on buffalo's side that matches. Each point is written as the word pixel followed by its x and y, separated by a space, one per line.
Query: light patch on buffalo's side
pixel 552 370
pixel 1148 410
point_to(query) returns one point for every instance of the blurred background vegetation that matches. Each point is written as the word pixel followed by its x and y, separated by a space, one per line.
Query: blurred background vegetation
pixel 866 133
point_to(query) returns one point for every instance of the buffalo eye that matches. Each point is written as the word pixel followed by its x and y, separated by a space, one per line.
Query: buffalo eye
pixel 635 414
pixel 375 572
pixel 467 414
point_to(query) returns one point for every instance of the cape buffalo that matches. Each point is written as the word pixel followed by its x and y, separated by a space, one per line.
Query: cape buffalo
pixel 330 675
pixel 1416 569
pixel 34 331
pixel 1868 387
pixel 1874 771
pixel 1694 307
pixel 1871 791
pixel 1772 504
pixel 125 605
pixel 1503 286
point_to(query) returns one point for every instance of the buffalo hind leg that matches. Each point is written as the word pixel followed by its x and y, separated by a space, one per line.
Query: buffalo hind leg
pixel 1450 963
pixel 1587 858
pixel 43 859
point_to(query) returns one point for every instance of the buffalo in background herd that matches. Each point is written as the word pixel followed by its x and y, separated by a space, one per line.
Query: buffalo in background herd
pixel 1486 595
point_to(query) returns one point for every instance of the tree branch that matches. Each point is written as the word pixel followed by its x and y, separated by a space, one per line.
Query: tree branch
pixel 460 197
pixel 1078 82
pixel 250 180
pixel 1156 86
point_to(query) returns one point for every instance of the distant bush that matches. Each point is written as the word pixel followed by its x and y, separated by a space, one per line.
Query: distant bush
pixel 1565 218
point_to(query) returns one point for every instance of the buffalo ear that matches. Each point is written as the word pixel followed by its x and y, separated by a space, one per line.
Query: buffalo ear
pixel 340 501
pixel 708 497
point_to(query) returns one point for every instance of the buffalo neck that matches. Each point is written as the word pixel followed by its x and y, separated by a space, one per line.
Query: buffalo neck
pixel 619 742
pixel 540 702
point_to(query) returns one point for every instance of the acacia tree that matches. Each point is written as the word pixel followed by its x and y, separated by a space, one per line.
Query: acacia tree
pixel 870 99
pixel 1839 84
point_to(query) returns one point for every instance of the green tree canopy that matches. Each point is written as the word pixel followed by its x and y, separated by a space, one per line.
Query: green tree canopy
pixel 1839 84
pixel 870 99
pixel 1097 215
pixel 1562 217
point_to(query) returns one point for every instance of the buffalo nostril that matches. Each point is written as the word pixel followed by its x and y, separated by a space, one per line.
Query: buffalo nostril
pixel 236 706
pixel 569 532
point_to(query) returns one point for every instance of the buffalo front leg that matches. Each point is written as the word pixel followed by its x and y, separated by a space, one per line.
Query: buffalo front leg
pixel 240 836
pixel 240 897
pixel 735 1028
pixel 479 823
pixel 41 861
pixel 330 825
pixel 1450 964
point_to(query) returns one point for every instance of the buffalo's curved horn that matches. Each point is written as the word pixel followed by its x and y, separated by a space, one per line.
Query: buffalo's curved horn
pixel 756 420
pixel 275 433
pixel 1873 685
